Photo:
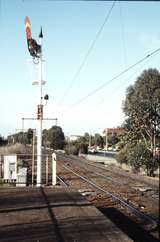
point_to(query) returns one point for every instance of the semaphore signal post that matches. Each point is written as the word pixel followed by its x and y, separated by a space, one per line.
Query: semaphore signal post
pixel 35 51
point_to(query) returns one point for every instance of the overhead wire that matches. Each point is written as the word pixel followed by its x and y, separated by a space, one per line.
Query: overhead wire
pixel 123 82
pixel 116 89
pixel 88 53
pixel 115 77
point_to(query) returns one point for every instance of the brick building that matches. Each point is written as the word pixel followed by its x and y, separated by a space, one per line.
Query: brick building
pixel 112 131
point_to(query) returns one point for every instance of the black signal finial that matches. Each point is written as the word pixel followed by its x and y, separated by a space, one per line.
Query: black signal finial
pixel 41 33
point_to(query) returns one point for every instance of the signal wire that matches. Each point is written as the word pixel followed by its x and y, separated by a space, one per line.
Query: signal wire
pixel 88 53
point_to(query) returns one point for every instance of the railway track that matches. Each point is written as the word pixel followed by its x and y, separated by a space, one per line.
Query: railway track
pixel 114 197
pixel 113 173
pixel 138 188
pixel 117 192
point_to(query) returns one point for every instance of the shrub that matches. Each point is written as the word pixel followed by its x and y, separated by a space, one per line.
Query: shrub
pixel 151 166
pixel 75 148
pixel 71 149
pixel 15 149
pixel 82 148
pixel 121 157
pixel 139 156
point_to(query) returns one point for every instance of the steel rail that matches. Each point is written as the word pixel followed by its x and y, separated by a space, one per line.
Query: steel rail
pixel 62 181
pixel 123 175
pixel 115 197
pixel 97 173
pixel 107 170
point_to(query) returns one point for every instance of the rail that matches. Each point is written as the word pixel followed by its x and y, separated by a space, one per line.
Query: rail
pixel 117 198
pixel 62 181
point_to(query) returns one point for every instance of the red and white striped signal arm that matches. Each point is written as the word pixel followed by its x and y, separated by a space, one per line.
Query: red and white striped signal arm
pixel 28 28
pixel 33 47
pixel 28 34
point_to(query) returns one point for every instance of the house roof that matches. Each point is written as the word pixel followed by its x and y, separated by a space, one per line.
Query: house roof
pixel 117 131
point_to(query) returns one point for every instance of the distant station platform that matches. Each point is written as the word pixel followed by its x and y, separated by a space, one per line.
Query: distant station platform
pixel 53 214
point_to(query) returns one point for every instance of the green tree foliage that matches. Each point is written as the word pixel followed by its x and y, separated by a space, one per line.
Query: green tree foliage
pixel 21 137
pixel 3 141
pixel 86 137
pixel 121 157
pixel 54 137
pixel 45 141
pixel 98 140
pixel 71 149
pixel 139 156
pixel 79 146
pixel 142 107
pixel 29 136
pixel 76 148
pixel 113 139
pixel 142 124
pixel 83 148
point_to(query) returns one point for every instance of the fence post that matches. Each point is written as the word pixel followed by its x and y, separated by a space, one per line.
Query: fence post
pixel 53 169
pixel 47 170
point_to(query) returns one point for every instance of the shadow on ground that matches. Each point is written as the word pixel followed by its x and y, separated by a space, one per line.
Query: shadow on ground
pixel 57 215
pixel 128 226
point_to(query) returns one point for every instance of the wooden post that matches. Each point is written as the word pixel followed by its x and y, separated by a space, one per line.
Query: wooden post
pixel 47 169
pixel 53 169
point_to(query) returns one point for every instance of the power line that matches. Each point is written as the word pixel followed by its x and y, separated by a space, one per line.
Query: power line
pixel 88 53
pixel 123 82
pixel 117 89
pixel 114 78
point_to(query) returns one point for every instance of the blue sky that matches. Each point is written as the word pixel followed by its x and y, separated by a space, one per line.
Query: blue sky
pixel 131 32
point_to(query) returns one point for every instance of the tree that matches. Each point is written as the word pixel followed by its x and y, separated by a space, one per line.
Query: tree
pixel 71 149
pixel 55 137
pixel 98 139
pixel 45 141
pixel 142 110
pixel 3 141
pixel 113 139
pixel 139 156
pixel 142 107
pixel 84 139
pixel 21 137
pixel 29 136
